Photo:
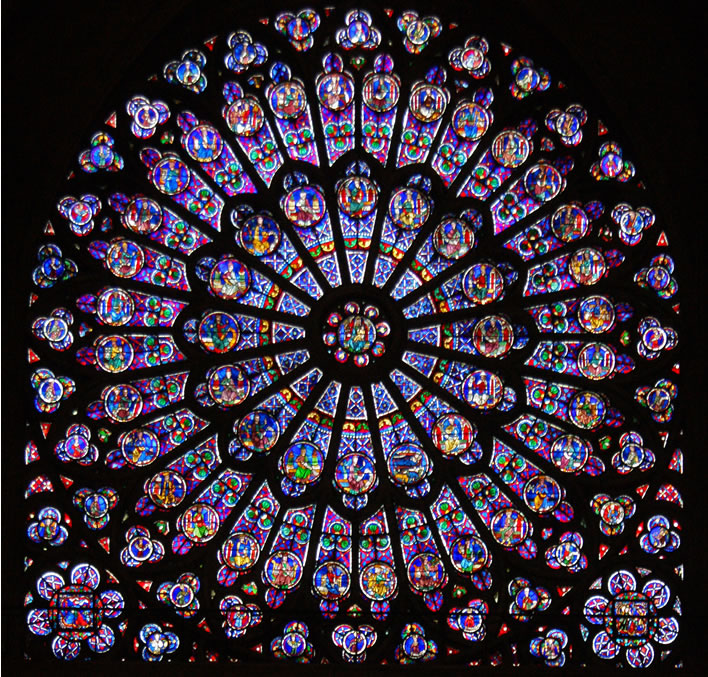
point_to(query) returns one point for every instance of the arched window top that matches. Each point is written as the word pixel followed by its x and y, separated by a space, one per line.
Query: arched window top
pixel 353 338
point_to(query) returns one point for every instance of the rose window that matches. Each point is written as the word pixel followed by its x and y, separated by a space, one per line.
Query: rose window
pixel 353 340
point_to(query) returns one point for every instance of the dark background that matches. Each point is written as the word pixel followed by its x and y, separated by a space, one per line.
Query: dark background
pixel 641 66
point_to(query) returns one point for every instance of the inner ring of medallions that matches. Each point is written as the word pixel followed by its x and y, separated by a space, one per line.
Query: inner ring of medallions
pixel 355 333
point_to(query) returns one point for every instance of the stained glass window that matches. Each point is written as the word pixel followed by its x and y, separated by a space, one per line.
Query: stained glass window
pixel 354 338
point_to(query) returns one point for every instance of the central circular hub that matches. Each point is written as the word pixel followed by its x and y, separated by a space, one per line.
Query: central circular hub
pixel 356 332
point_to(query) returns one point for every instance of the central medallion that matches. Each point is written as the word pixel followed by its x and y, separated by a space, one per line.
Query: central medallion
pixel 356 333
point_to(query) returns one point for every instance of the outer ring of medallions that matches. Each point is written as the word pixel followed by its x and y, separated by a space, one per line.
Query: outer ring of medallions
pixel 348 372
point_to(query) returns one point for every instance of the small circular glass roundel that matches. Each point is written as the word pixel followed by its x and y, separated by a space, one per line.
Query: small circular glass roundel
pixel 355 474
pixel 453 434
pixel 218 332
pixel 569 453
pixel 511 149
pixel 469 554
pixel 258 431
pixel 408 464
pixel 283 570
pixel 426 572
pixel 378 581
pixel 245 117
pixel 509 527
pixel 167 489
pixel 228 385
pixel 114 354
pixel 356 334
pixel 140 447
pixel 302 463
pixel 229 279
pixel 453 238
pixel 240 552
pixel 381 92
pixel 143 215
pixel 493 336
pixel 115 307
pixel 357 196
pixel 331 581
pixel 542 494
pixel 200 522
pixel 260 235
